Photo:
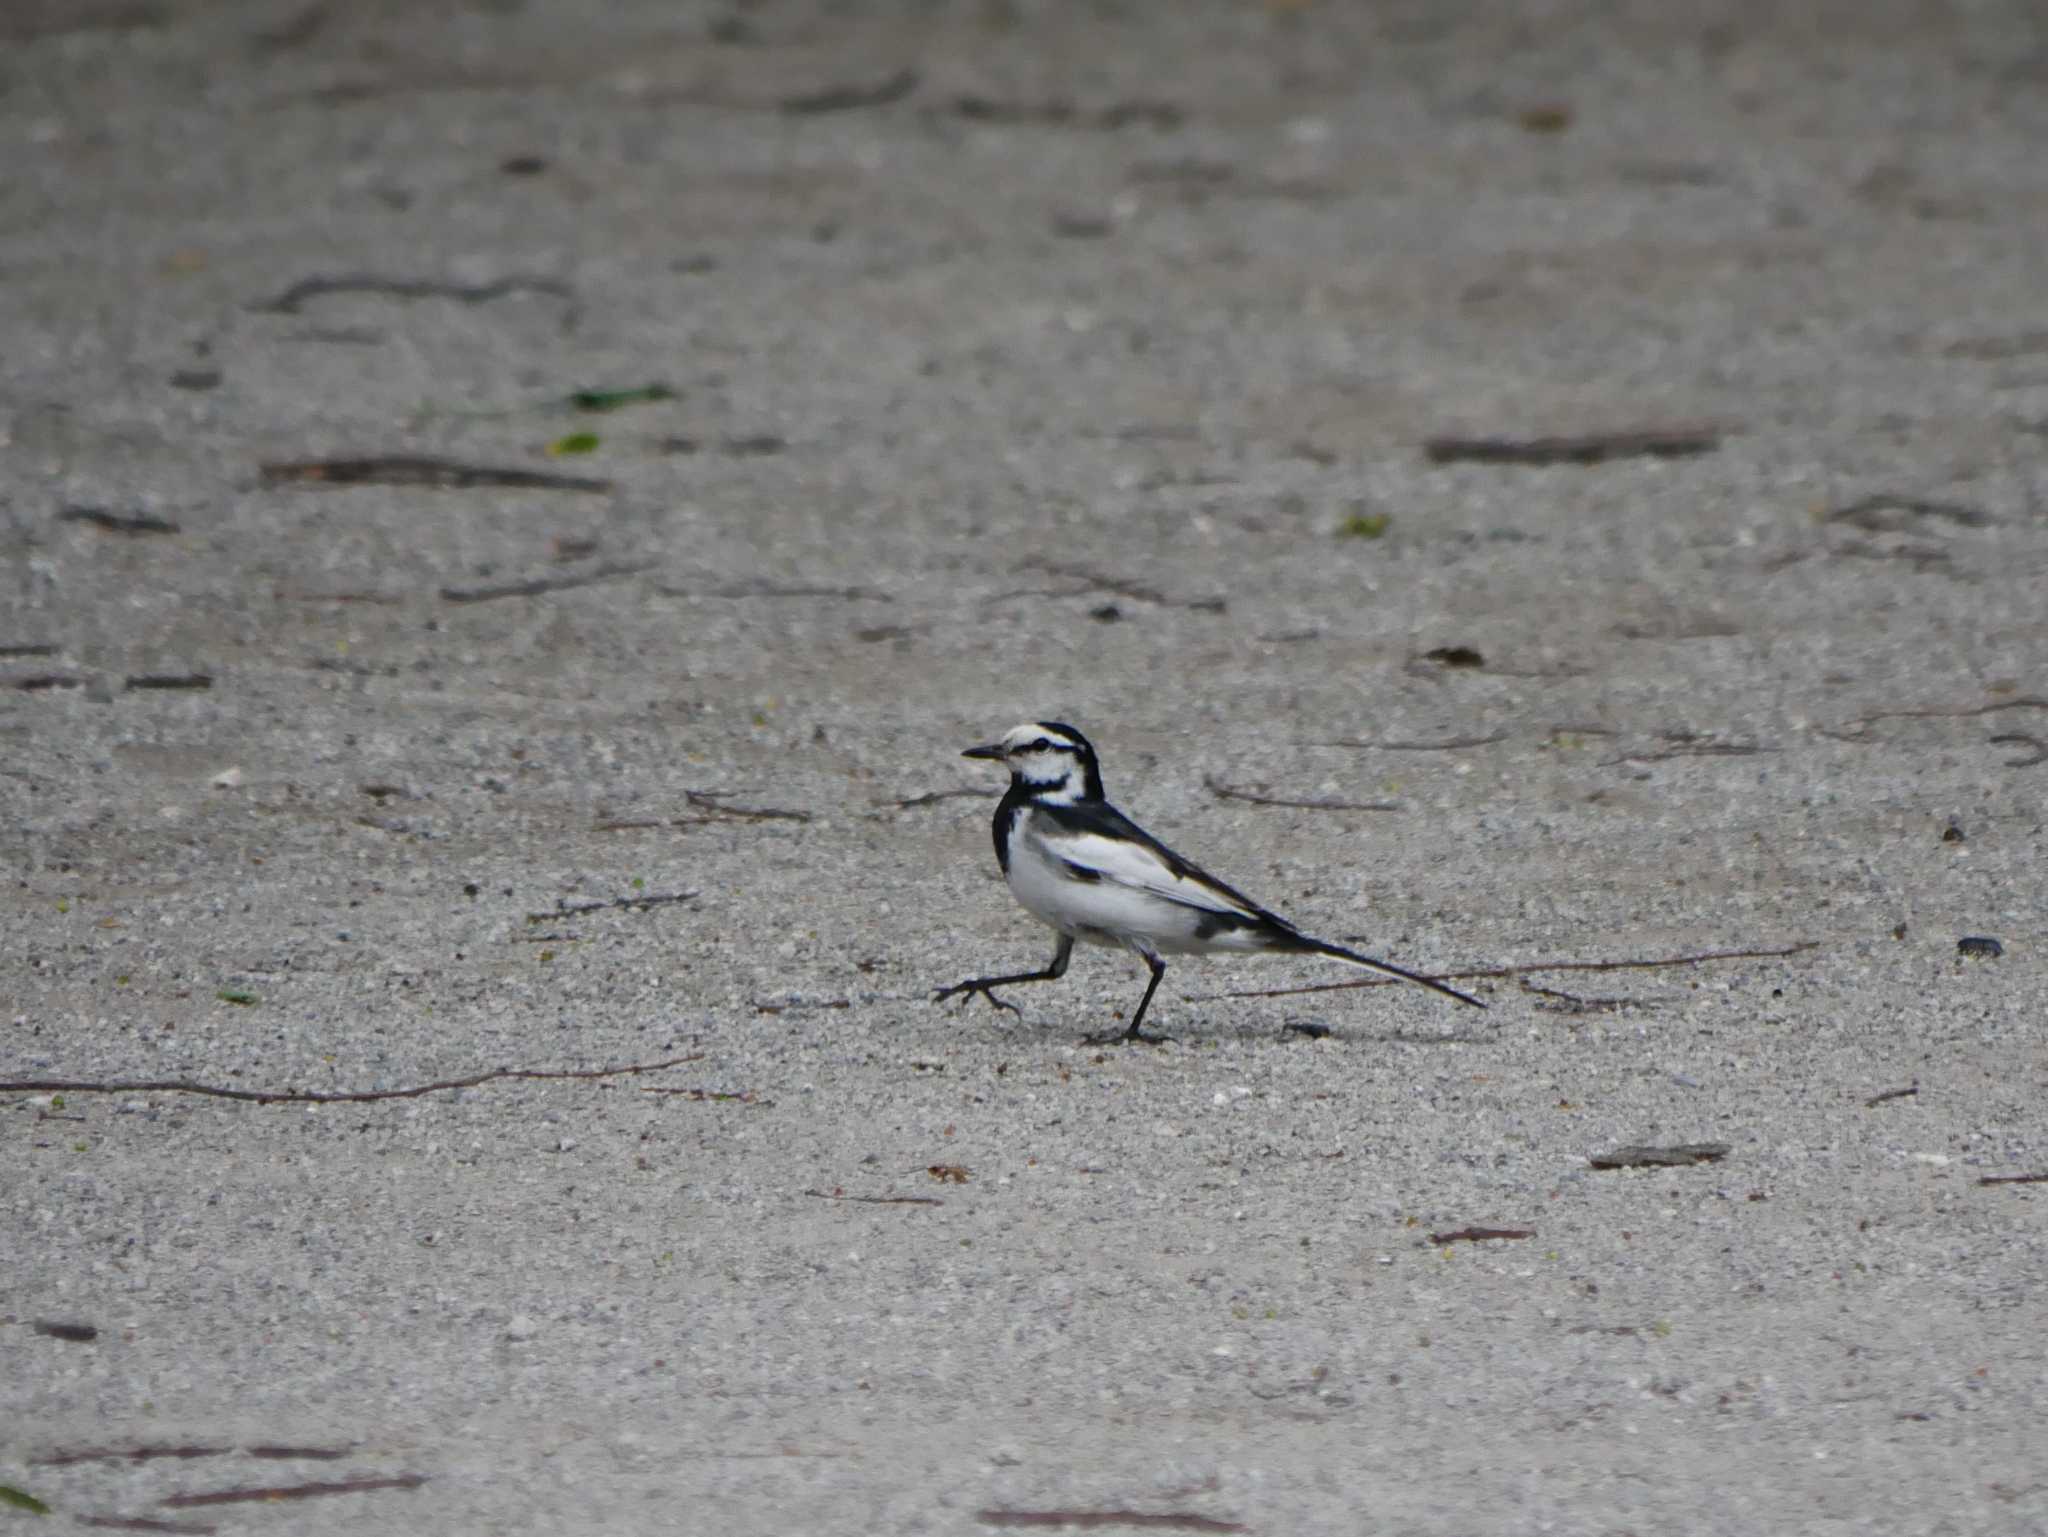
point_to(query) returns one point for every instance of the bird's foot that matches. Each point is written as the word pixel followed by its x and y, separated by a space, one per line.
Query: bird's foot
pixel 977 985
pixel 1127 1037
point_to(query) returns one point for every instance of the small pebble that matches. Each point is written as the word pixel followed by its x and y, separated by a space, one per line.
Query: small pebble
pixel 1981 946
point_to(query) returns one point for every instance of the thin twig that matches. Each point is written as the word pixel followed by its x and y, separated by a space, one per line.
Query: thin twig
pixel 640 904
pixel 1587 448
pixel 1233 793
pixel 65 1459
pixel 37 683
pixel 2029 703
pixel 1689 750
pixel 536 586
pixel 1481 1234
pixel 1450 744
pixel 313 1096
pixel 1877 1099
pixel 2020 739
pixel 169 680
pixel 776 590
pixel 1869 512
pixel 414 470
pixel 1163 1520
pixel 1524 970
pixel 849 98
pixel 712 801
pixel 877 1200
pixel 292 1491
pixel 1102 581
pixel 294 298
pixel 118 522
pixel 1572 1003
pixel 1662 1157
pixel 2014 1179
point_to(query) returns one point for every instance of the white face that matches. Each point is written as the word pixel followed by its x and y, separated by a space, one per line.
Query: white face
pixel 1039 756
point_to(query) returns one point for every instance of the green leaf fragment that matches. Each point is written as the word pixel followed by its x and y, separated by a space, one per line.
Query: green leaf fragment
pixel 237 996
pixel 1364 525
pixel 612 400
pixel 574 443
pixel 21 1499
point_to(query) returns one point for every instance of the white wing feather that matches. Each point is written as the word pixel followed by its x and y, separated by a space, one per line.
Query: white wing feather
pixel 1135 866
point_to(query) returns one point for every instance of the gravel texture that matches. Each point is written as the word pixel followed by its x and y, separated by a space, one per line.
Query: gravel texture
pixel 1022 360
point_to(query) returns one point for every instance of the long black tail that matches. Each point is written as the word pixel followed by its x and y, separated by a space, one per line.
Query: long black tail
pixel 1339 953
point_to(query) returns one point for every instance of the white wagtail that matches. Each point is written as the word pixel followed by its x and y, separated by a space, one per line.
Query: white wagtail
pixel 1089 872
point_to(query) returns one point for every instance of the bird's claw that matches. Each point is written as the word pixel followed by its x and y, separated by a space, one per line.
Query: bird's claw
pixel 1128 1037
pixel 970 989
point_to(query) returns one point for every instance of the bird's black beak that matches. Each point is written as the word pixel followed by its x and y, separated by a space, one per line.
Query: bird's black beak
pixel 992 750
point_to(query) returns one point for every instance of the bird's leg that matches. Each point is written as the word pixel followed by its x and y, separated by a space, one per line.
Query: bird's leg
pixel 1054 970
pixel 1131 1032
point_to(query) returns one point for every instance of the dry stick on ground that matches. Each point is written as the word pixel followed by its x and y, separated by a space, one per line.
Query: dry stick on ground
pixel 1868 513
pixel 294 298
pixel 877 1200
pixel 1449 744
pixel 707 800
pixel 314 1097
pixel 1661 1157
pixel 1856 728
pixel 1102 581
pixel 118 522
pixel 2020 739
pixel 578 909
pixel 1481 1234
pixel 713 801
pixel 534 587
pixel 292 1491
pixel 1877 1099
pixel 776 590
pixel 125 1454
pixel 1164 1520
pixel 1572 1003
pixel 168 680
pixel 1233 793
pixel 2014 1179
pixel 264 1450
pixel 414 470
pixel 850 98
pixel 1689 750
pixel 1498 972
pixel 1587 448
pixel 38 682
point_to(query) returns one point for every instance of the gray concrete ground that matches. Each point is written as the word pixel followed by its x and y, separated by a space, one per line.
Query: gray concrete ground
pixel 1025 360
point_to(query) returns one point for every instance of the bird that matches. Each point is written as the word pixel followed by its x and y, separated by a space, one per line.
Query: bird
pixel 1091 874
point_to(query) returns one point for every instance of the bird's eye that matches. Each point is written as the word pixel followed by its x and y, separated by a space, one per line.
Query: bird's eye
pixel 1041 745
